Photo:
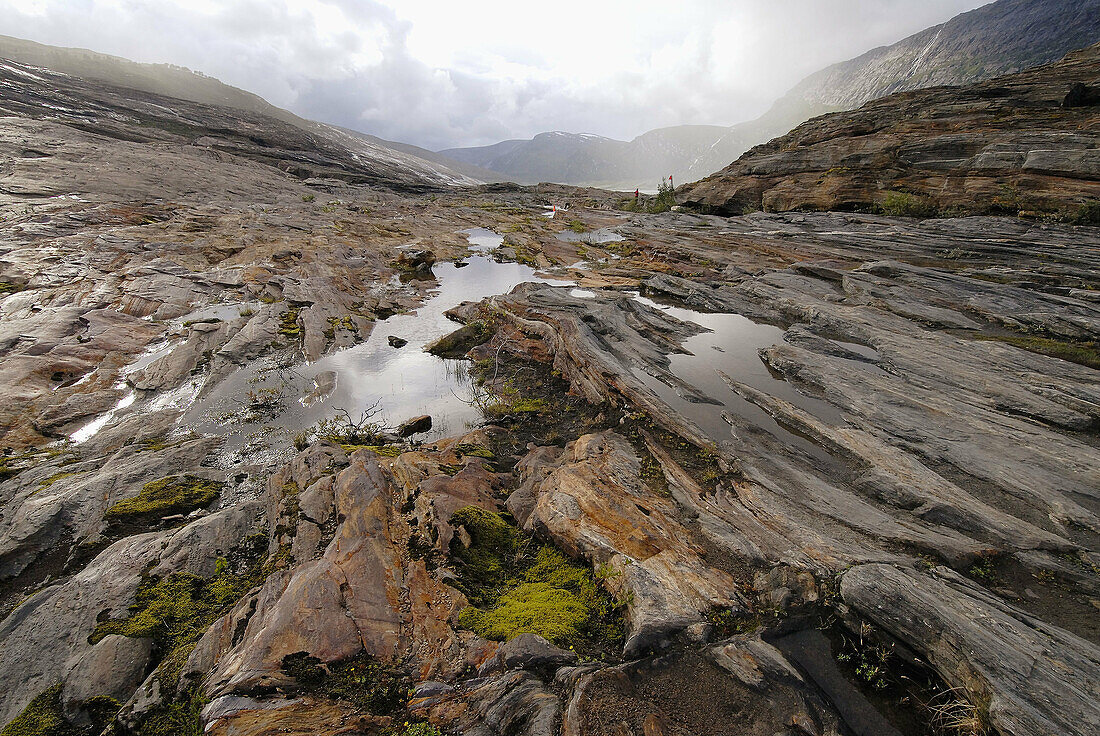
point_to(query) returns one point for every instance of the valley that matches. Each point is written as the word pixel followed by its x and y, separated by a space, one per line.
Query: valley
pixel 305 434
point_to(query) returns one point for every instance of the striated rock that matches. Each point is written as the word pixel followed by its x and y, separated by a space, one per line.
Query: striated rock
pixel 1035 677
pixel 527 651
pixel 595 504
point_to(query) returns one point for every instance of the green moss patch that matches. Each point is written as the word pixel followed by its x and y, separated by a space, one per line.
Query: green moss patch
pixel 518 586
pixel 10 287
pixel 47 482
pixel 172 495
pixel 41 717
pixel 175 610
pixel 288 324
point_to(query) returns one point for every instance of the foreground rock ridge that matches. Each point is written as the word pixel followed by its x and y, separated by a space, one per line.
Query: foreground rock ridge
pixel 780 473
pixel 1024 142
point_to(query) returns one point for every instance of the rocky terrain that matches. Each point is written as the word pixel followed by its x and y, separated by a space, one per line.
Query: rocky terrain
pixel 796 473
pixel 1000 38
pixel 1027 142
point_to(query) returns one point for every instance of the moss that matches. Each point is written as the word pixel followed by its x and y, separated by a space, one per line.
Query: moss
pixel 517 586
pixel 1085 353
pixel 41 717
pixel 363 681
pixel 9 287
pixel 47 482
pixel 381 450
pixel 288 324
pixel 467 450
pixel 180 716
pixel 489 559
pixel 175 610
pixel 166 496
pixel 537 608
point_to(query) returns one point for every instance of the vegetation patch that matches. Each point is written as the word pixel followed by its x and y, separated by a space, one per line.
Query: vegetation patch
pixel 10 287
pixel 159 498
pixel 518 586
pixel 44 716
pixel 175 610
pixel 288 324
pixel 41 717
pixel 363 681
pixel 902 204
pixel 1085 352
pixel 47 482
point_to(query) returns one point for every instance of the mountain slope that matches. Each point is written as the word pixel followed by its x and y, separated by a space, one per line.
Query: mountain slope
pixel 313 151
pixel 184 84
pixel 1028 141
pixel 1000 38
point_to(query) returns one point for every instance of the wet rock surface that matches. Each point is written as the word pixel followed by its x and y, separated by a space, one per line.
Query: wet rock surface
pixel 891 517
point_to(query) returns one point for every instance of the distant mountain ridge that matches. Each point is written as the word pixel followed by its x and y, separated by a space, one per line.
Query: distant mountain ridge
pixel 1002 37
pixel 596 160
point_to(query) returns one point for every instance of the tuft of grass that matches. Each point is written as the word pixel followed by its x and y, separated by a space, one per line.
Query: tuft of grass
pixel 953 713
pixel 902 204
pixel 171 495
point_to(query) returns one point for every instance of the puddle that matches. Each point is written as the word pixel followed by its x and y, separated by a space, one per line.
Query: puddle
pixel 222 312
pixel 404 382
pixel 731 346
pixel 482 240
pixel 594 237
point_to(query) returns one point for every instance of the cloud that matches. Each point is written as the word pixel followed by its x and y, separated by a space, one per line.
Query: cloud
pixel 442 74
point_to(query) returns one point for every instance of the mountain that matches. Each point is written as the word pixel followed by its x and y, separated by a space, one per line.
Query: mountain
pixel 593 159
pixel 1023 142
pixel 171 81
pixel 1000 38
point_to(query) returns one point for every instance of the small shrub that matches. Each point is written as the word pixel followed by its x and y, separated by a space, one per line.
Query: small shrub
pixel 901 204
pixel 308 197
pixel 362 680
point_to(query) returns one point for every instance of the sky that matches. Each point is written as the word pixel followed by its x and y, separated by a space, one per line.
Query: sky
pixel 440 74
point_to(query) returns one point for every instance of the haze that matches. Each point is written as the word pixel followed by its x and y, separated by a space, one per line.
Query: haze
pixel 442 74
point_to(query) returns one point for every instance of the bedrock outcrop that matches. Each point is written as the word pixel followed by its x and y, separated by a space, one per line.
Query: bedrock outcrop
pixel 1024 142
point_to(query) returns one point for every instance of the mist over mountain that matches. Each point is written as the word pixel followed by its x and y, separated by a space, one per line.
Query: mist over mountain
pixel 1000 38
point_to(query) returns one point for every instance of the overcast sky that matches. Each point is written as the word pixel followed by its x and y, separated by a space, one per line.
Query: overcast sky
pixel 441 73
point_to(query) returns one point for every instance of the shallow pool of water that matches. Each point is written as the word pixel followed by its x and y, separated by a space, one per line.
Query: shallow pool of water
pixel 731 344
pixel 402 382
